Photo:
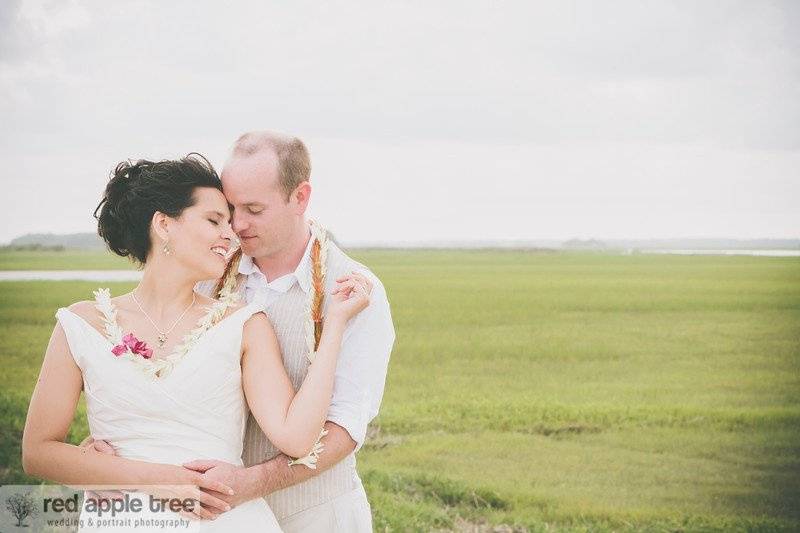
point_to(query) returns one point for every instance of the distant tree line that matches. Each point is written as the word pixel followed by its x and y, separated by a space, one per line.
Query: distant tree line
pixel 33 248
pixel 51 241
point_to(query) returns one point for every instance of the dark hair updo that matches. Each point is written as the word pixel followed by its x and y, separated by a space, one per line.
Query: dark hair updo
pixel 137 190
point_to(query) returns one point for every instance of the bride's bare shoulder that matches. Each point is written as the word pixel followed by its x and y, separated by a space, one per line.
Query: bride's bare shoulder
pixel 258 324
pixel 87 310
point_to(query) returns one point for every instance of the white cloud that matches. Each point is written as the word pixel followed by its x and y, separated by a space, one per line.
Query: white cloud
pixel 418 104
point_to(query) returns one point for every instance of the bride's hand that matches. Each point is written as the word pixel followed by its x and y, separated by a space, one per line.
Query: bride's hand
pixel 350 297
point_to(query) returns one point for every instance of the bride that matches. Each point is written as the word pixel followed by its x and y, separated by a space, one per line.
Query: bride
pixel 169 374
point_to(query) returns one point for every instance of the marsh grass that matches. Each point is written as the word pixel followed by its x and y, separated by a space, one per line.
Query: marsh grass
pixel 542 391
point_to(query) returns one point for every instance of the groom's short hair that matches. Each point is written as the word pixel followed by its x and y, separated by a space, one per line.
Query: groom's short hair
pixel 294 163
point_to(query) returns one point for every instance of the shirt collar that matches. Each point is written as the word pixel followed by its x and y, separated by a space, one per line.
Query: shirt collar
pixel 247 266
pixel 302 273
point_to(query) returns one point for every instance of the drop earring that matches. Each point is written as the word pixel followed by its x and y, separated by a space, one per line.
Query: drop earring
pixel 166 249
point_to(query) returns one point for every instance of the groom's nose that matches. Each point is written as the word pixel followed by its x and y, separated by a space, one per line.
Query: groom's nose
pixel 238 223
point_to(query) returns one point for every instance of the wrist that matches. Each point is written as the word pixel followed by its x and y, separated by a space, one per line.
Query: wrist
pixel 336 322
pixel 259 476
pixel 169 474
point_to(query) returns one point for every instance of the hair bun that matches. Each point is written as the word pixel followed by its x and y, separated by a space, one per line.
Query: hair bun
pixel 115 220
pixel 136 191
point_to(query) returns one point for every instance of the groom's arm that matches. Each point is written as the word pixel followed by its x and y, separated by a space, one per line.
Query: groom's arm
pixel 276 474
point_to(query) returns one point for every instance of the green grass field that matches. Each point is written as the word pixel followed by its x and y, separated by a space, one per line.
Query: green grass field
pixel 66 260
pixel 547 391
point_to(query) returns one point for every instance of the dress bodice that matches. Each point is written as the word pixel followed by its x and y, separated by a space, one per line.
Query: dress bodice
pixel 196 411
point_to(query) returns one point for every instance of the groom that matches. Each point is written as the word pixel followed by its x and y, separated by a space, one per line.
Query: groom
pixel 266 181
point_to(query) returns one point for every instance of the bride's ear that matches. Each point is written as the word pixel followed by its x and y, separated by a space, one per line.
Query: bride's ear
pixel 160 225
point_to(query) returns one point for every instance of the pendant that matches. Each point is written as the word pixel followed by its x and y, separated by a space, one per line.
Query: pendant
pixel 161 340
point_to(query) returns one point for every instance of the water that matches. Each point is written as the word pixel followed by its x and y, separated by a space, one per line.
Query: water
pixel 71 275
pixel 765 253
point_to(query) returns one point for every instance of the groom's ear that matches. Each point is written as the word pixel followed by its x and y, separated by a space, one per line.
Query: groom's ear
pixel 300 197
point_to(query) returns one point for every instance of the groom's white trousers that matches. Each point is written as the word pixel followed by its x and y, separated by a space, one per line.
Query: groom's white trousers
pixel 349 512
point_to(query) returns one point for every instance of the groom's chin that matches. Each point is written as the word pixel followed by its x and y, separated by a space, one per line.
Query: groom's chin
pixel 249 248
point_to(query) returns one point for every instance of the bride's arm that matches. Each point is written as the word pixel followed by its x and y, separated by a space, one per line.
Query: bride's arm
pixel 292 422
pixel 46 455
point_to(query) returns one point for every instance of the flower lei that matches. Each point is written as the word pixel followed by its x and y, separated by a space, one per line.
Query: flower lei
pixel 314 318
pixel 157 368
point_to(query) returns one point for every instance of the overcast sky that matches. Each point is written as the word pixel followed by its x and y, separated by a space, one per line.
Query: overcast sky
pixel 425 120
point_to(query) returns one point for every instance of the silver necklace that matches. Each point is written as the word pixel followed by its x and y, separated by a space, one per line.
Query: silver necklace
pixel 162 335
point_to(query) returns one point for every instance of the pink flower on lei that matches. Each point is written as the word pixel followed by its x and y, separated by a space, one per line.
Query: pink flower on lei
pixel 137 347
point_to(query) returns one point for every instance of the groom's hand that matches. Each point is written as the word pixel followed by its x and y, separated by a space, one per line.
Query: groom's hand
pixel 102 447
pixel 244 486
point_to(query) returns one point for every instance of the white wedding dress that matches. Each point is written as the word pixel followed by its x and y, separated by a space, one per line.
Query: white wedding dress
pixel 196 410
